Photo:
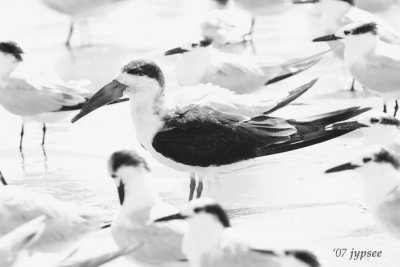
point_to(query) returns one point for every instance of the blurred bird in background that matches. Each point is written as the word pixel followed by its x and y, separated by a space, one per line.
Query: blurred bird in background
pixel 229 27
pixel 202 63
pixel 66 222
pixel 80 11
pixel 335 14
pixel 41 97
pixel 379 168
pixel 372 61
pixel 15 242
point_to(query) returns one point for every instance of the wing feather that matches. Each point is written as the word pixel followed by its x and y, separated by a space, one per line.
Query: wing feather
pixel 161 242
pixel 66 223
pixel 32 95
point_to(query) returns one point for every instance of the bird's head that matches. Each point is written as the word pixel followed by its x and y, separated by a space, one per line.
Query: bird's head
pixel 203 212
pixel 373 157
pixel 10 57
pixel 190 48
pixel 125 167
pixel 360 34
pixel 139 80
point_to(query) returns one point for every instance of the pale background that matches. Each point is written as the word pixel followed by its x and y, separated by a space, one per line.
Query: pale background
pixel 285 200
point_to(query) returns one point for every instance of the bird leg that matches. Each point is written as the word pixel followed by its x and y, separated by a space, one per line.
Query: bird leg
pixel 253 48
pixel 192 185
pixel 21 137
pixel 199 188
pixel 384 108
pixel 396 108
pixel 45 159
pixel 353 85
pixel 70 32
pixel 44 133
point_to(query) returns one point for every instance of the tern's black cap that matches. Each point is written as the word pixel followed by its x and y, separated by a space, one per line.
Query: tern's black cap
pixel 371 27
pixel 385 156
pixel 147 68
pixel 126 158
pixel 217 211
pixel 351 2
pixel 12 49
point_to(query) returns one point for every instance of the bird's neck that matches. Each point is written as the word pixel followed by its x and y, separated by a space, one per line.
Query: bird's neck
pixel 204 236
pixel 356 48
pixel 6 69
pixel 148 110
pixel 193 65
pixel 140 189
pixel 378 183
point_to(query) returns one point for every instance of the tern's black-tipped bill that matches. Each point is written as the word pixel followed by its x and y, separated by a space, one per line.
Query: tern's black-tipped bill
pixel 177 216
pixel 343 167
pixel 305 1
pixel 327 38
pixel 178 50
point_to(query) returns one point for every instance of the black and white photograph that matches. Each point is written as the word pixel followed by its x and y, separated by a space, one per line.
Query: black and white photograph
pixel 200 133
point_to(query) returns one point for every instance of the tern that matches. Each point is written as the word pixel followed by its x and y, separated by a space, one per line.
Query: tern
pixel 255 8
pixel 377 129
pixel 371 61
pixel 80 10
pixel 379 167
pixel 42 98
pixel 227 26
pixel 339 13
pixel 200 138
pixel 12 244
pixel 65 225
pixel 209 241
pixel 157 244
pixel 202 63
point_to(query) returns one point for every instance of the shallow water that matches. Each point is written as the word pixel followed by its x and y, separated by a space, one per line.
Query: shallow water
pixel 285 199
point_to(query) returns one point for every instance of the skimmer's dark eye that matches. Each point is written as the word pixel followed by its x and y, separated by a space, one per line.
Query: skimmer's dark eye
pixel 197 210
pixel 346 32
pixel 374 120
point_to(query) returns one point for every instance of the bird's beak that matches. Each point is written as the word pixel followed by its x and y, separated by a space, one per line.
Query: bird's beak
pixel 327 38
pixel 347 125
pixel 343 167
pixel 109 93
pixel 178 50
pixel 121 192
pixel 305 1
pixel 177 216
